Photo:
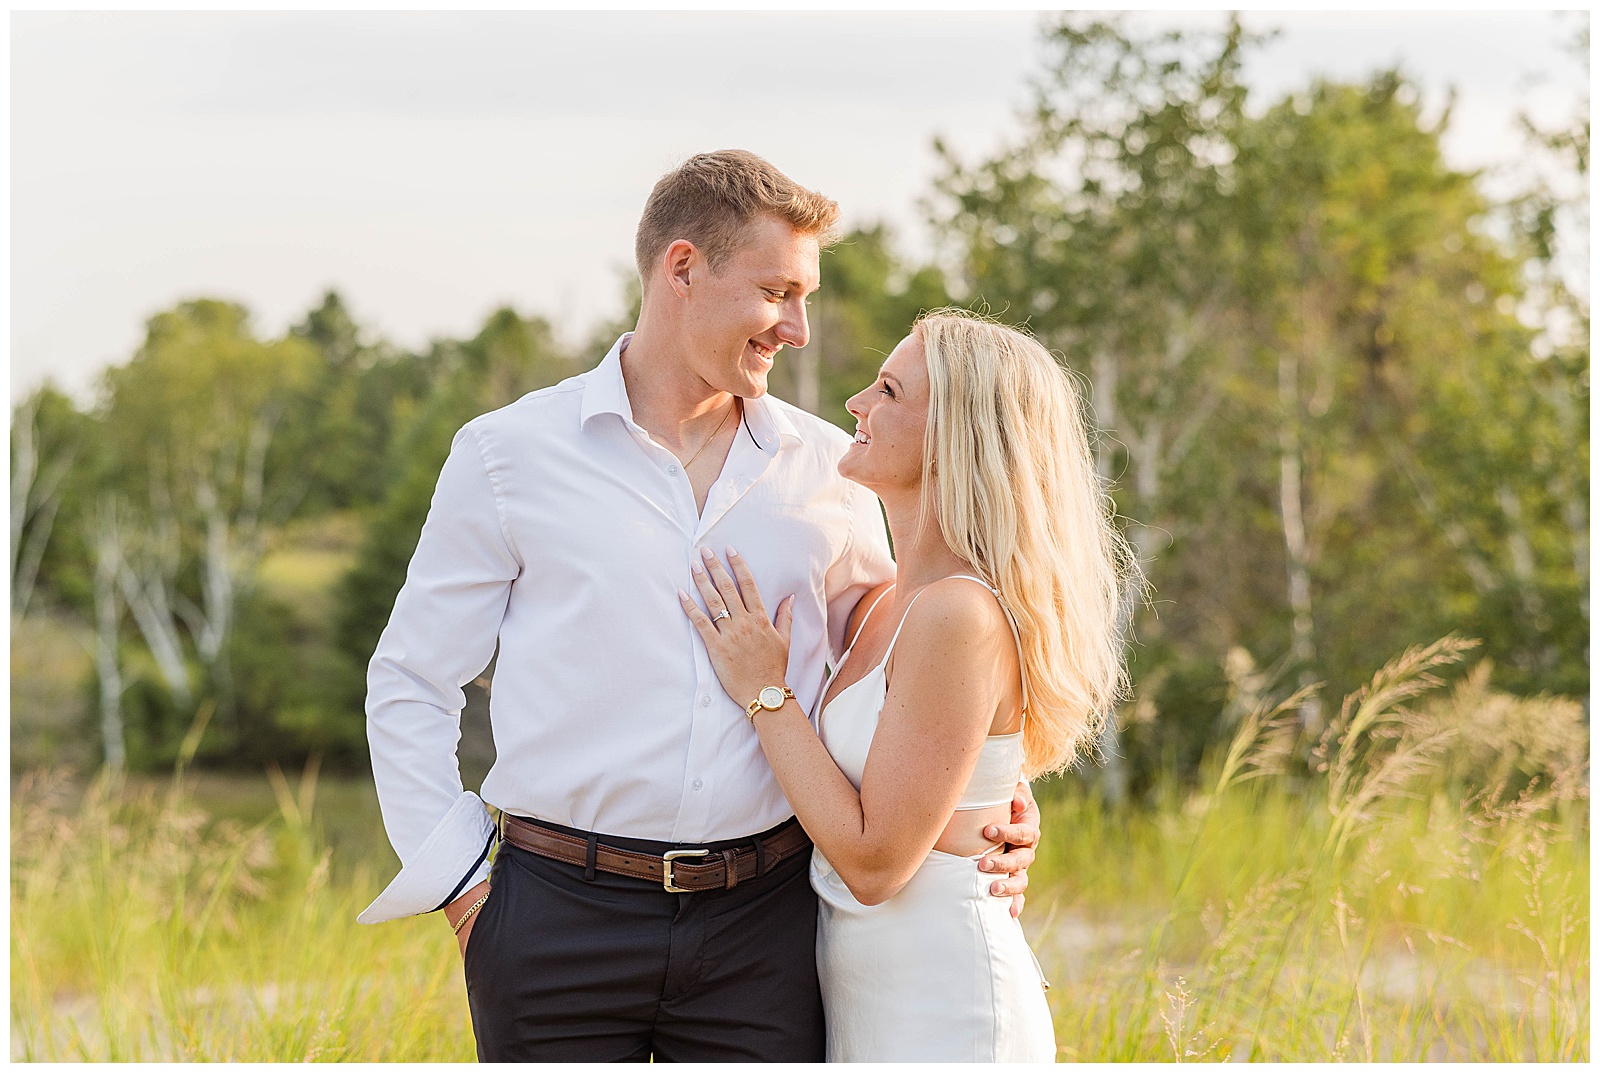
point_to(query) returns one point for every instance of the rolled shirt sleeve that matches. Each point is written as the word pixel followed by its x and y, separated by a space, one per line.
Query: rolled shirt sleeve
pixel 864 564
pixel 441 635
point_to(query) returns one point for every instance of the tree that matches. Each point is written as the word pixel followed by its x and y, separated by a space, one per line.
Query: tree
pixel 344 426
pixel 107 543
pixel 1105 229
pixel 189 449
pixel 1405 383
pixel 1331 431
pixel 1552 221
pixel 45 430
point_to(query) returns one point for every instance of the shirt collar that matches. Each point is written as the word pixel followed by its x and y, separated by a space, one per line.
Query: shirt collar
pixel 769 424
pixel 606 393
pixel 603 390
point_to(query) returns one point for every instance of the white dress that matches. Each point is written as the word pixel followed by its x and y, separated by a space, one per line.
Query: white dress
pixel 941 972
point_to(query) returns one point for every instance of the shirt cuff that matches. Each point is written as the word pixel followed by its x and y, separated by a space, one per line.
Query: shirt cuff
pixel 453 858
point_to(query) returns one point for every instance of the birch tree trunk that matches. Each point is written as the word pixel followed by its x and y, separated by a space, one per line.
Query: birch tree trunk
pixel 149 587
pixel 24 467
pixel 35 499
pixel 1484 578
pixel 1302 647
pixel 1570 494
pixel 1103 370
pixel 1524 568
pixel 231 551
pixel 1145 451
pixel 108 555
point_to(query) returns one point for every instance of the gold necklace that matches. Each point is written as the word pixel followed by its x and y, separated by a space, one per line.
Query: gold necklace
pixel 714 434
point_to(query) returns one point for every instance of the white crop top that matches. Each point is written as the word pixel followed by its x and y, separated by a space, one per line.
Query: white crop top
pixel 850 719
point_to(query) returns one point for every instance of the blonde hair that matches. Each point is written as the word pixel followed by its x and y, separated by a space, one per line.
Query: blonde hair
pixel 711 197
pixel 1009 473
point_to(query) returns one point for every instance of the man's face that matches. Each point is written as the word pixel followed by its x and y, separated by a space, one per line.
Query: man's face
pixel 740 316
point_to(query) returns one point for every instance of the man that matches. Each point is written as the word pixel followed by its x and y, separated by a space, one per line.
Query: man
pixel 650 894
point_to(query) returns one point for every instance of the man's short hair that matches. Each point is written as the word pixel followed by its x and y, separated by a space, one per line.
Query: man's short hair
pixel 711 197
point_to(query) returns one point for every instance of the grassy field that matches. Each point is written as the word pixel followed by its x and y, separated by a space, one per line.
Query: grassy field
pixel 1422 895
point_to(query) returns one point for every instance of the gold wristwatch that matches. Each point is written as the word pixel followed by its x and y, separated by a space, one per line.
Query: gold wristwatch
pixel 769 699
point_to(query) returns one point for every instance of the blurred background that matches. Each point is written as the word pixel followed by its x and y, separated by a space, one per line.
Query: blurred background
pixel 1323 279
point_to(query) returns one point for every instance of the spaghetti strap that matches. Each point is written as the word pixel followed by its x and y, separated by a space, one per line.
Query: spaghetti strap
pixel 837 667
pixel 902 625
pixel 1010 620
pixel 1022 668
pixel 863 627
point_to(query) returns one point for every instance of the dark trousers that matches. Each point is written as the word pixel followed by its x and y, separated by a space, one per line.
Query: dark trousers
pixel 563 969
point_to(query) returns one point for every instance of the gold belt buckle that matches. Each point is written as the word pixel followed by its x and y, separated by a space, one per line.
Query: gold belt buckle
pixel 666 867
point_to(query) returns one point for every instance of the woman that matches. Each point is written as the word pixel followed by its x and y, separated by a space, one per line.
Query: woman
pixel 994 653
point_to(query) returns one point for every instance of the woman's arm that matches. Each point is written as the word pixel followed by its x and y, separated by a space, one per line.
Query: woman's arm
pixel 946 676
pixel 941 703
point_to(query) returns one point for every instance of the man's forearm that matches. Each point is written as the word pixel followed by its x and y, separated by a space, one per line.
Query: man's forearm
pixel 441 633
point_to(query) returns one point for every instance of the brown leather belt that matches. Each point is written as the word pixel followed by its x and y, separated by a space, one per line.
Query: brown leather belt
pixel 678 871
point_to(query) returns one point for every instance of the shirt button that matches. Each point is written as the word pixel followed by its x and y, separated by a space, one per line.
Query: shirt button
pixel 705 701
pixel 672 470
pixel 698 783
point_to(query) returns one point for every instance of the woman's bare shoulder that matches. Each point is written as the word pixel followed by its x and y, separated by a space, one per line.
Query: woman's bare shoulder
pixel 956 619
pixel 954 657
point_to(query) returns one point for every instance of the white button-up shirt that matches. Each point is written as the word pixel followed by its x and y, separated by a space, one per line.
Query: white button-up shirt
pixel 560 530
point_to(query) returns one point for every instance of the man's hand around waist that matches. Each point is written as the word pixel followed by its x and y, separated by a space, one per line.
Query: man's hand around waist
pixel 453 913
pixel 1021 836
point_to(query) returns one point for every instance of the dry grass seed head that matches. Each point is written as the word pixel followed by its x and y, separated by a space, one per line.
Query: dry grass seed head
pixel 1180 1001
pixel 1377 745
pixel 1501 734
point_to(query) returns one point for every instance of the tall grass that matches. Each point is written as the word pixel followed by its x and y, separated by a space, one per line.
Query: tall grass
pixel 1408 883
pixel 141 931
pixel 1382 902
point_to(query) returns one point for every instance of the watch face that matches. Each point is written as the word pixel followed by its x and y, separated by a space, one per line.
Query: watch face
pixel 772 698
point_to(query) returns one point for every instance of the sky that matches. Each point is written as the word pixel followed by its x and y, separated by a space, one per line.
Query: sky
pixel 431 167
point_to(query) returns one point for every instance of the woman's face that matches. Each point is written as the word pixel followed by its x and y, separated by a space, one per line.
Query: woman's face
pixel 891 422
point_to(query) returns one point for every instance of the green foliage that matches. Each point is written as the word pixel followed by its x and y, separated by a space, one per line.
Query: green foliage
pixel 285 666
pixel 364 389
pixel 189 402
pixel 63 436
pixel 1367 254
pixel 1331 432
